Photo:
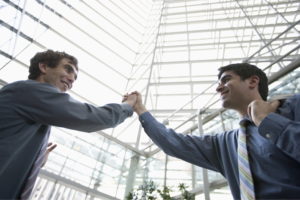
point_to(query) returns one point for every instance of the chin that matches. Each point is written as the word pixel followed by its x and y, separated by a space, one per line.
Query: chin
pixel 62 89
pixel 225 104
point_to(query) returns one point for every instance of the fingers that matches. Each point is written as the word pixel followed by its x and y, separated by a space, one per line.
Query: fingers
pixel 125 97
pixel 259 109
pixel 249 111
pixel 275 104
pixel 134 92
pixel 51 147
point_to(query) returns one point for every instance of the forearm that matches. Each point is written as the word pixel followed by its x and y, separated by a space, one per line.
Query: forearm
pixel 98 118
pixel 196 150
pixel 140 109
pixel 59 109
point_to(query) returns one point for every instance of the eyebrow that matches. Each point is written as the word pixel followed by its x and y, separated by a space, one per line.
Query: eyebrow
pixel 225 77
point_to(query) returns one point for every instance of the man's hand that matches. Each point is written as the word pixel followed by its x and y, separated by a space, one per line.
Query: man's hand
pixel 50 148
pixel 130 99
pixel 259 109
pixel 139 107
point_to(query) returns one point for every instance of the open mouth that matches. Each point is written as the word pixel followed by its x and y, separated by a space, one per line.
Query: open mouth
pixel 223 94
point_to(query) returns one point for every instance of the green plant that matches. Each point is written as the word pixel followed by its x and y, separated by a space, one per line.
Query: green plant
pixel 184 193
pixel 150 191
pixel 165 193
pixel 146 191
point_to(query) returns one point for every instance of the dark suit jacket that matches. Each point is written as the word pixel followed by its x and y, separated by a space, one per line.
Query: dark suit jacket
pixel 27 110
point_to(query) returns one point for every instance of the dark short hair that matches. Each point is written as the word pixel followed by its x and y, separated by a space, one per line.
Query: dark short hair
pixel 50 58
pixel 246 70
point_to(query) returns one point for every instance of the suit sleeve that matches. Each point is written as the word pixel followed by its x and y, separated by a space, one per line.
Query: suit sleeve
pixel 43 103
pixel 200 151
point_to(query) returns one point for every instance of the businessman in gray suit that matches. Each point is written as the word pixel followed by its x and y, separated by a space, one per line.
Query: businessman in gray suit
pixel 29 108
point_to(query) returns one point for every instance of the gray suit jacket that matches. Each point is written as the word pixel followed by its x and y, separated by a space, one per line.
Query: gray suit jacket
pixel 27 110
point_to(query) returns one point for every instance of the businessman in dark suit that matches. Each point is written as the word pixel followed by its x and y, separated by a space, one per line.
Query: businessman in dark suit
pixel 29 108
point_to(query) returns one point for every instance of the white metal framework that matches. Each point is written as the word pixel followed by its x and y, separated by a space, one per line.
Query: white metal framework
pixel 170 51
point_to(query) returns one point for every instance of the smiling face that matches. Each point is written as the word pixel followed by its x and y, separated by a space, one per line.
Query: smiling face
pixel 236 93
pixel 62 76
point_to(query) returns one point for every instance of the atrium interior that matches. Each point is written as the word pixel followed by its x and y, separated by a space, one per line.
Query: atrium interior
pixel 169 51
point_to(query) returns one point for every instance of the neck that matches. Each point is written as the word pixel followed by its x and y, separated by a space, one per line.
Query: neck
pixel 39 79
pixel 243 111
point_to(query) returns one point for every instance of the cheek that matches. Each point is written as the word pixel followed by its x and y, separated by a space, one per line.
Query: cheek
pixel 234 87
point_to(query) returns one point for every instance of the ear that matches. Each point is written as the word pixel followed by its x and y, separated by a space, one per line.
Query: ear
pixel 253 81
pixel 43 68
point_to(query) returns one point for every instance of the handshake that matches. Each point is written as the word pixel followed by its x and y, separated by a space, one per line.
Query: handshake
pixel 135 100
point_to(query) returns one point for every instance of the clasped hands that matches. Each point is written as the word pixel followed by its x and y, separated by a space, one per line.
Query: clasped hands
pixel 135 100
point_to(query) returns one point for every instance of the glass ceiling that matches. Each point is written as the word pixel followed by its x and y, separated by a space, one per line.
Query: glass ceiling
pixel 169 51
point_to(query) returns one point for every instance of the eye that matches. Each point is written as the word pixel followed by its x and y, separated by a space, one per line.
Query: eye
pixel 70 70
pixel 225 80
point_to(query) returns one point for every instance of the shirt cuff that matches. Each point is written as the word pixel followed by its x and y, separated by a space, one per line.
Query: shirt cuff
pixel 127 109
pixel 272 126
pixel 146 116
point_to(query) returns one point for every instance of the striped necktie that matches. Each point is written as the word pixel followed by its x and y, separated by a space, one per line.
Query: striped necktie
pixel 246 181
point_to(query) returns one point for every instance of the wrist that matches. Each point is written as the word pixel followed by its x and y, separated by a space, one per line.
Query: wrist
pixel 129 103
pixel 140 110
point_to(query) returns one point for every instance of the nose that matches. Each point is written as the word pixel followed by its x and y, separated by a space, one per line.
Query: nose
pixel 71 78
pixel 219 87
